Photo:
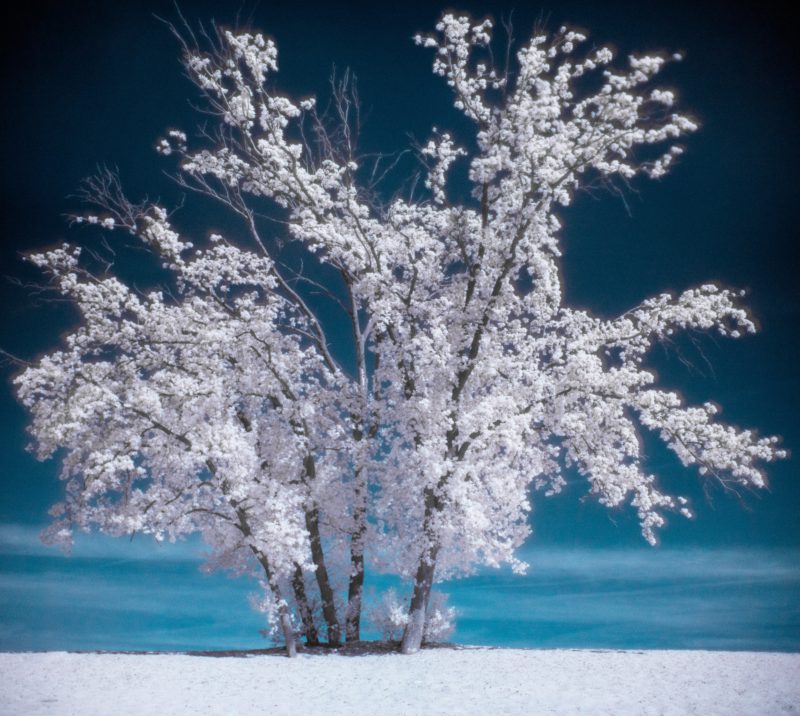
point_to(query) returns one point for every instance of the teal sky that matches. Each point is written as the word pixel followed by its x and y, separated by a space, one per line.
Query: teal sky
pixel 90 83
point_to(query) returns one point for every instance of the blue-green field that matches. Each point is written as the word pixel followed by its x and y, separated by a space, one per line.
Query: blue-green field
pixel 121 595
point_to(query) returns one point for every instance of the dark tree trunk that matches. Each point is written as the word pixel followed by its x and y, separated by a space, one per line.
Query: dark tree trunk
pixel 423 580
pixel 355 588
pixel 299 588
pixel 323 580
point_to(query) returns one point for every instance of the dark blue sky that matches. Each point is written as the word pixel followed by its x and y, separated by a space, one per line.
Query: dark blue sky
pixel 88 83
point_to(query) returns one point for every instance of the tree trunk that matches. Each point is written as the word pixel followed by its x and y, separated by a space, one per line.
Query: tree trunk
pixel 299 588
pixel 423 583
pixel 423 580
pixel 323 581
pixel 355 593
pixel 355 590
pixel 286 628
pixel 283 611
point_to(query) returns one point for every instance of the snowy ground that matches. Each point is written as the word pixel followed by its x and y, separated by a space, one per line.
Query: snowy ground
pixel 442 681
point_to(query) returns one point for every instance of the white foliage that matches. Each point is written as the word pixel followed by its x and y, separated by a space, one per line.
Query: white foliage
pixel 266 604
pixel 182 413
pixel 390 617
pixel 440 620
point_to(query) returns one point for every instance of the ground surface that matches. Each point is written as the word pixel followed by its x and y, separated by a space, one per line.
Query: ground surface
pixel 436 681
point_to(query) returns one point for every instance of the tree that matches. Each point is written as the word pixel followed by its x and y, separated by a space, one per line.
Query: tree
pixel 217 405
pixel 479 332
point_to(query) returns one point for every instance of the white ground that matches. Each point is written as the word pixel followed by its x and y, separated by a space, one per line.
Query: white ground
pixel 443 681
